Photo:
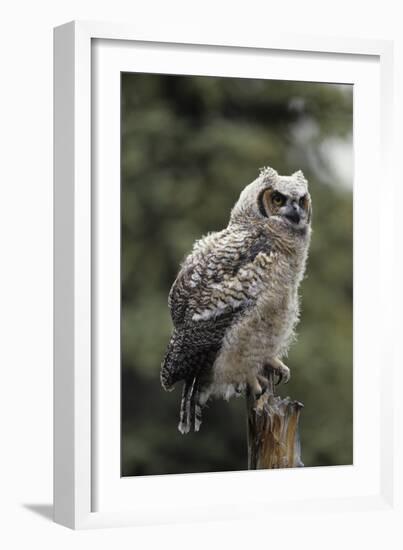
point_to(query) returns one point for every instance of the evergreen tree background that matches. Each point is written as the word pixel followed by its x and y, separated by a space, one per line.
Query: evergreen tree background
pixel 189 146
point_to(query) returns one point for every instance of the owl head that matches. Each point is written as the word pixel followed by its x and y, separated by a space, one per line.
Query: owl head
pixel 283 200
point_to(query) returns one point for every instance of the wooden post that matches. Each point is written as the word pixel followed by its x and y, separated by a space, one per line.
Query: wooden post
pixel 272 429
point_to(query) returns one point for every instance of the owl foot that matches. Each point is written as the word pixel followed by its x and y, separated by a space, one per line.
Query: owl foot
pixel 283 376
pixel 240 389
pixel 255 386
pixel 264 383
pixel 282 371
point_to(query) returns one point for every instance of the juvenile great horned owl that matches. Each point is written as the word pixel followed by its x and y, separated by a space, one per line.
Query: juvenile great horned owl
pixel 234 304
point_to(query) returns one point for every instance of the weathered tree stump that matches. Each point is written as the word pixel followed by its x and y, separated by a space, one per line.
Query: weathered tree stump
pixel 273 436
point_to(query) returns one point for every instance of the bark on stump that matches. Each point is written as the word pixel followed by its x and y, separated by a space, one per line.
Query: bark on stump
pixel 273 436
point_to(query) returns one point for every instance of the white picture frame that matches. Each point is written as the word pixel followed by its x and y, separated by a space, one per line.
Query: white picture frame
pixel 88 490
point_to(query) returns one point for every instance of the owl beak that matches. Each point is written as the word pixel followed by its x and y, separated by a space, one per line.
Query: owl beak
pixel 292 213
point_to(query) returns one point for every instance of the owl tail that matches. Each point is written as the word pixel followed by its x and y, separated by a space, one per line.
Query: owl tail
pixel 190 412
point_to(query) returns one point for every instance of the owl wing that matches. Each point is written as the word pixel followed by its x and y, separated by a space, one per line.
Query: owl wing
pixel 215 286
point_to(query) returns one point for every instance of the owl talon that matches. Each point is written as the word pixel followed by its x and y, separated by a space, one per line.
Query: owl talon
pixel 255 387
pixel 259 394
pixel 282 378
pixel 263 382
pixel 239 389
pixel 282 372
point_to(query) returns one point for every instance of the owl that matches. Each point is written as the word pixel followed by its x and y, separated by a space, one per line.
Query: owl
pixel 235 303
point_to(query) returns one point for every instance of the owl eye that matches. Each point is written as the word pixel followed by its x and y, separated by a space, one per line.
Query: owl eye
pixel 278 199
pixel 303 201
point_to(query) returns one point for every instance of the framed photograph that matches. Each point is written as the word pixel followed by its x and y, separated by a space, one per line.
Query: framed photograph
pixel 215 235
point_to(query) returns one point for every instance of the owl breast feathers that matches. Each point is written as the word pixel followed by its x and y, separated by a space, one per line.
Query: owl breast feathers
pixel 234 304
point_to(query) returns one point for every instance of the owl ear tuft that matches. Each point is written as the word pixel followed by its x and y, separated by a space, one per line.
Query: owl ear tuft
pixel 267 172
pixel 299 175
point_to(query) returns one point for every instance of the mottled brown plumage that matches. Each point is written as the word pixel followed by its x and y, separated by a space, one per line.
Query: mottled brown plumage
pixel 234 303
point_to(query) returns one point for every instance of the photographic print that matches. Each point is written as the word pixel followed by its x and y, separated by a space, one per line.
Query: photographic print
pixel 236 274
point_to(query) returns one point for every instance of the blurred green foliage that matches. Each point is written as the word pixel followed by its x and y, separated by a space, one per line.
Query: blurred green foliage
pixel 189 146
